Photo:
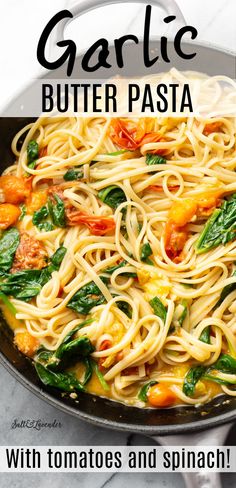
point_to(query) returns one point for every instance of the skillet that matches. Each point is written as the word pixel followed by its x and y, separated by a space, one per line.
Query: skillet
pixel 100 411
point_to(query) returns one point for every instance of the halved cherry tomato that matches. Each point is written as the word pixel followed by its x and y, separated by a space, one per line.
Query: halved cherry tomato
pixel 160 396
pixel 97 225
pixel 175 239
pixel 213 127
pixel 36 200
pixel 26 343
pixel 9 214
pixel 13 188
pixel 30 254
pixel 132 136
pixel 103 346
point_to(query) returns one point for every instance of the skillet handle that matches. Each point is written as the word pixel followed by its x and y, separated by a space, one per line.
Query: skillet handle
pixel 83 6
pixel 211 437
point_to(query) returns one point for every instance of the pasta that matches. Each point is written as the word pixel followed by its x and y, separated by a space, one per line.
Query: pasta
pixel 143 210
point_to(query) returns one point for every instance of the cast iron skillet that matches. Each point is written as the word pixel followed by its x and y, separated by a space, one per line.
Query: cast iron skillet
pixel 93 409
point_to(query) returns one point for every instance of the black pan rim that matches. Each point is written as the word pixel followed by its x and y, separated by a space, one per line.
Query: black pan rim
pixel 152 431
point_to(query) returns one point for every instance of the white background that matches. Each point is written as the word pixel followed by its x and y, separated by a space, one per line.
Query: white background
pixel 22 22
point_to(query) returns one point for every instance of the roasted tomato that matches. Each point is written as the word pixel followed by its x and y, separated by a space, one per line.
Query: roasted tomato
pixel 132 136
pixel 14 190
pixel 97 225
pixel 212 127
pixel 36 200
pixel 26 343
pixel 103 347
pixel 161 396
pixel 9 215
pixel 30 254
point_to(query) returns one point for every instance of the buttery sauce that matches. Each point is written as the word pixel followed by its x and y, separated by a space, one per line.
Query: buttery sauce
pixel 94 386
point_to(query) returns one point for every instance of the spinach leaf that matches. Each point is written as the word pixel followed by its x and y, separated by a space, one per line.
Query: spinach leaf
pixel 73 174
pixel 146 251
pixel 144 390
pixel 9 242
pixel 226 364
pixel 57 211
pixel 87 297
pixel 39 219
pixel 57 258
pixel 63 381
pixel 99 375
pixel 23 285
pixel 8 304
pixel 205 335
pixel 111 270
pixel 112 196
pixel 154 159
pixel 226 291
pixel 158 308
pixel 184 312
pixel 45 226
pixel 28 283
pixel 32 154
pixel 23 211
pixel 220 228
pixel 72 332
pixel 40 215
pixel 125 307
pixel 88 370
pixel 191 379
pixel 67 353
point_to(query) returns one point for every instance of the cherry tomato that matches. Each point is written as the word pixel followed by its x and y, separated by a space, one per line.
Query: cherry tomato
pixel 13 188
pixel 26 343
pixel 161 395
pixel 9 214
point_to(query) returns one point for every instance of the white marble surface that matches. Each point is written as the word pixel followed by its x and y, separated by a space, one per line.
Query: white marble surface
pixel 21 23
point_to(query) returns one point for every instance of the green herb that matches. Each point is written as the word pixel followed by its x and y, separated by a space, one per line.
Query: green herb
pixel 205 335
pixel 87 297
pixel 111 270
pixel 184 312
pixel 8 304
pixel 125 307
pixel 144 391
pixel 191 379
pixel 27 284
pixel 9 242
pixel 40 215
pixel 57 257
pixel 63 381
pixel 220 228
pixel 32 154
pixel 73 174
pixel 57 211
pixel 23 210
pixel 225 364
pixel 88 370
pixel 112 196
pixel 154 159
pixel 146 251
pixel 158 308
pixel 118 153
pixel 226 291
pixel 45 226
pixel 100 376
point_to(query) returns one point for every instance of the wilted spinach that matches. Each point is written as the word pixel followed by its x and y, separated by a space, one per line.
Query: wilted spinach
pixel 32 154
pixel 158 308
pixel 57 211
pixel 220 228
pixel 112 196
pixel 87 297
pixel 9 242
